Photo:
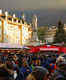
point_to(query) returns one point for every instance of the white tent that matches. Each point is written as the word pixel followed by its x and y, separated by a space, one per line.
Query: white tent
pixel 8 45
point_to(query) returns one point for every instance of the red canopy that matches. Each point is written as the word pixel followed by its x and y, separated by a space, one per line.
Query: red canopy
pixel 34 50
pixel 45 48
pixel 49 48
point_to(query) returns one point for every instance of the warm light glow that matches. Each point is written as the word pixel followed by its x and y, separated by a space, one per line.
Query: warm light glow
pixel 25 34
pixel 14 15
pixel 12 34
pixel 0 11
pixel 6 13
pixel 0 23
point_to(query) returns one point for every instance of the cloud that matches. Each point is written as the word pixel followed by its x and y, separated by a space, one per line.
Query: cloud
pixel 33 4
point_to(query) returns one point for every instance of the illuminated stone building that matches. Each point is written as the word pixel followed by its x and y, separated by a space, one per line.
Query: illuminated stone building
pixel 13 31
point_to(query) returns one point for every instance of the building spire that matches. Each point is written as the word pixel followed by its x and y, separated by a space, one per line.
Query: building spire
pixel 34 25
pixel 24 17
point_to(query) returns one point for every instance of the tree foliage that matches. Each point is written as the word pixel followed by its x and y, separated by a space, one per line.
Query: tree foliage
pixel 41 32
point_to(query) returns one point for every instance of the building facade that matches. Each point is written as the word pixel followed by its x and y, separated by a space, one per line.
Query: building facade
pixel 13 31
pixel 50 34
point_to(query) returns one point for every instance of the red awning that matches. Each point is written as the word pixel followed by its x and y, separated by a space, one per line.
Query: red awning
pixel 34 50
pixel 49 48
pixel 45 48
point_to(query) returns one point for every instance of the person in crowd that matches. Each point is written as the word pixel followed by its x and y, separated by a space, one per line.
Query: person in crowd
pixel 60 72
pixel 26 69
pixel 39 73
pixel 33 67
pixel 4 74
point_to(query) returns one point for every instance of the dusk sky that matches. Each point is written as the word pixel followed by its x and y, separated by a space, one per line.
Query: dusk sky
pixel 33 4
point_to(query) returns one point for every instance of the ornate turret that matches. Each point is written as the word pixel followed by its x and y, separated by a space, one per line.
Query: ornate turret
pixel 23 17
pixel 6 13
pixel 14 15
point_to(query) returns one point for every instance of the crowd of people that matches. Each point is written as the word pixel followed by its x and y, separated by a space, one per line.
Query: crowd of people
pixel 34 66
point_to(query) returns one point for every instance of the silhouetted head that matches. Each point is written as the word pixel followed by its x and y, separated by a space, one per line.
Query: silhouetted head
pixel 39 73
pixel 4 75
